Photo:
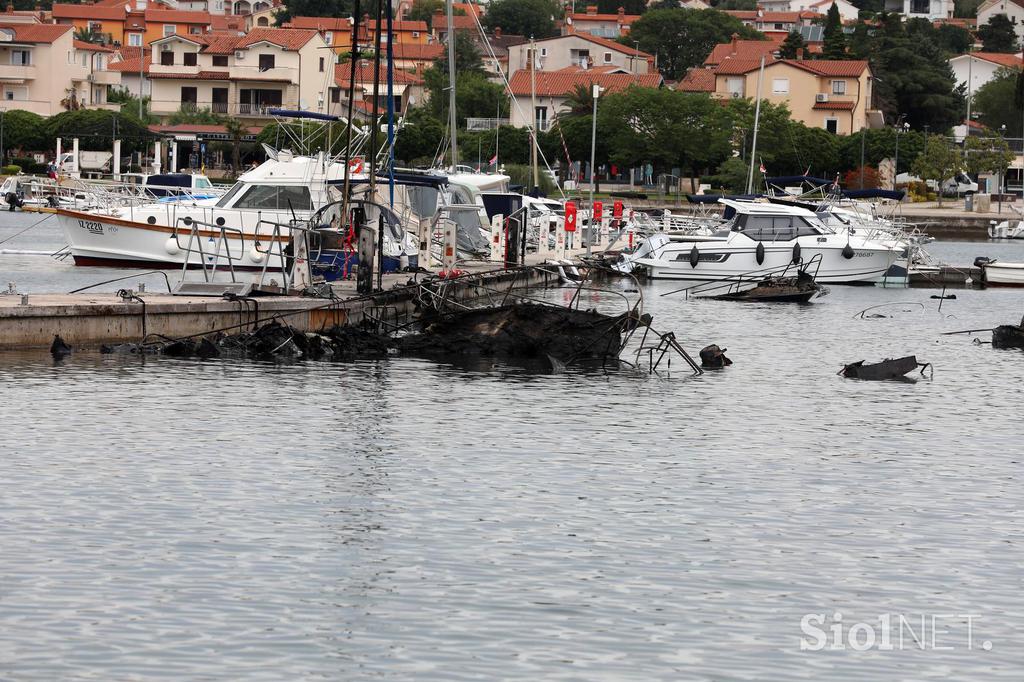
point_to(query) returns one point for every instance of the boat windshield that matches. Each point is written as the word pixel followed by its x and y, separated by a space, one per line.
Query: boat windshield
pixel 203 183
pixel 774 228
pixel 279 197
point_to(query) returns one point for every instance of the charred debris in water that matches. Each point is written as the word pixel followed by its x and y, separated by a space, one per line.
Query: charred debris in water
pixel 513 325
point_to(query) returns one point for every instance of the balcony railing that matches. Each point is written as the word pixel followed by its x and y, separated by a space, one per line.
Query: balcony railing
pixel 219 107
pixel 485 123
pixel 17 72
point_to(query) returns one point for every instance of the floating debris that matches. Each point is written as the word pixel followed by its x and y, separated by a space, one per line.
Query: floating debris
pixel 885 370
pixel 59 348
pixel 713 357
pixel 1008 336
pixel 799 289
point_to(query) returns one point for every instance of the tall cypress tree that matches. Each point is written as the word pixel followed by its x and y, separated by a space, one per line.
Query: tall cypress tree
pixel 793 42
pixel 835 40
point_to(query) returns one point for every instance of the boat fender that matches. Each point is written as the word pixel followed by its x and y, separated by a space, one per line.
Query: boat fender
pixel 694 256
pixel 982 261
pixel 171 246
pixel 255 255
pixel 759 253
pixel 220 221
pixel 151 220
pixel 847 251
pixel 796 253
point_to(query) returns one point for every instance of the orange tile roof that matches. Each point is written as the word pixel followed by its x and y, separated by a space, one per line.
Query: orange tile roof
pixel 741 49
pixel 37 33
pixel 227 22
pixel 220 43
pixel 737 67
pixel 364 74
pixel 462 22
pixel 417 51
pixel 288 38
pixel 698 80
pixel 175 16
pixel 129 65
pixel 1010 60
pixel 110 13
pixel 563 82
pixel 597 40
pixel 848 68
pixel 91 47
pixel 834 106
pixel 620 18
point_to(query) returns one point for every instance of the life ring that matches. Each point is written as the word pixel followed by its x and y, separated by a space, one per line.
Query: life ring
pixel 355 165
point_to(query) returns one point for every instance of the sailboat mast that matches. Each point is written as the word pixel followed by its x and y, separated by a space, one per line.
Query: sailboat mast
pixel 533 105
pixel 452 120
pixel 757 120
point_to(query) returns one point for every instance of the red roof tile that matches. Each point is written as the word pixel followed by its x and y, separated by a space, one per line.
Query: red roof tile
pixel 36 33
pixel 91 47
pixel 174 16
pixel 1011 60
pixel 418 51
pixel 110 13
pixel 626 19
pixel 742 49
pixel 847 68
pixel 227 22
pixel 737 67
pixel 364 74
pixel 562 83
pixel 289 39
pixel 698 80
pixel 462 22
pixel 834 106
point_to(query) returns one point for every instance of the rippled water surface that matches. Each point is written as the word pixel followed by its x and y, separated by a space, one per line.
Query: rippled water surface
pixel 169 520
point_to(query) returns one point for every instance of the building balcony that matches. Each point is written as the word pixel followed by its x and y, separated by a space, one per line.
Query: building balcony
pixel 105 77
pixel 260 110
pixel 280 74
pixel 11 72
pixel 177 69
pixel 105 106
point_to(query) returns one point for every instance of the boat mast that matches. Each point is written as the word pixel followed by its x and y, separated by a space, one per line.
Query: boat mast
pixel 452 120
pixel 533 105
pixel 757 119
pixel 353 51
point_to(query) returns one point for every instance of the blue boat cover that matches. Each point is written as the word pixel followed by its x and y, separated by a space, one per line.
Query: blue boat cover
pixel 713 198
pixel 874 193
pixel 289 113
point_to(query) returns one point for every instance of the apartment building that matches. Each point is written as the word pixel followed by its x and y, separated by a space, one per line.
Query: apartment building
pixel 579 50
pixel 337 31
pixel 407 89
pixel 43 69
pixel 1013 9
pixel 236 75
pixel 831 94
pixel 596 23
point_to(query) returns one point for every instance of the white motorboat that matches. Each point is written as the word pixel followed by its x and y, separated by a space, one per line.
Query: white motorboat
pixel 1008 229
pixel 995 273
pixel 763 239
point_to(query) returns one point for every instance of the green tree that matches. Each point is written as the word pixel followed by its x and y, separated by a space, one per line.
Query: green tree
pixel 683 38
pixel 313 8
pixel 236 130
pixel 998 35
pixel 198 116
pixel 966 9
pixel 130 105
pixel 878 144
pixel 667 129
pixel 834 37
pixel 986 155
pixel 913 77
pixel 939 161
pixel 791 45
pixel 953 39
pixel 424 10
pixel 96 129
pixel 731 176
pixel 87 35
pixel 23 131
pixel 743 5
pixel 420 136
pixel 523 17
pixel 994 102
pixel 787 147
pixel 630 6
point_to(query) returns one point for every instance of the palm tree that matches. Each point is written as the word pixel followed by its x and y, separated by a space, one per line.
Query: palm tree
pixel 580 102
pixel 88 35
pixel 236 130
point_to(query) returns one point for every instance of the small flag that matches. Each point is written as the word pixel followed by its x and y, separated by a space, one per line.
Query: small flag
pixel 763 170
pixel 494 160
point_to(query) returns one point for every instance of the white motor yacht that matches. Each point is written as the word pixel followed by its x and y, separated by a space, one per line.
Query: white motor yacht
pixel 761 239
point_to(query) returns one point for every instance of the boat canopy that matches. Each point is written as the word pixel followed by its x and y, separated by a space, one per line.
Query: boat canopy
pixel 713 198
pixel 798 179
pixel 289 113
pixel 874 194
pixel 410 179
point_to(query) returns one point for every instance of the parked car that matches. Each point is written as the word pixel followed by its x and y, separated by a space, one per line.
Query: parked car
pixel 960 184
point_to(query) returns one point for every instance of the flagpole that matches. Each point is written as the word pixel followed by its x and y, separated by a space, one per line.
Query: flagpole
pixel 757 120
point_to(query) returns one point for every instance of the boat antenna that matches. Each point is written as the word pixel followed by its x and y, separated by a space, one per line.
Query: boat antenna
pixel 391 107
pixel 376 101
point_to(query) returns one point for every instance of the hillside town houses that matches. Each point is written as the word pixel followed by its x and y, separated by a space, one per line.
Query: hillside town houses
pixel 236 58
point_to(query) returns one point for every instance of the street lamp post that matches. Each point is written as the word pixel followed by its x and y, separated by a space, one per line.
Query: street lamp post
pixel 1001 178
pixel 2 113
pixel 901 126
pixel 596 92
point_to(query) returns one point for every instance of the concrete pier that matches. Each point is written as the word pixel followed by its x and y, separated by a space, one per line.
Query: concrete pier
pixel 88 320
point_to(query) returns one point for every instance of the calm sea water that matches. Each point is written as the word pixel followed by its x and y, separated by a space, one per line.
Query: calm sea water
pixel 165 519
